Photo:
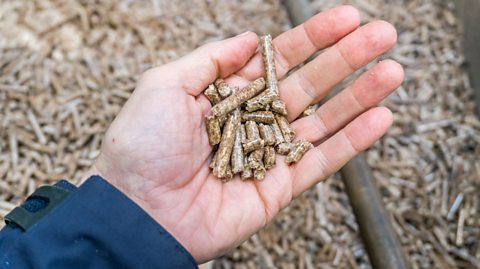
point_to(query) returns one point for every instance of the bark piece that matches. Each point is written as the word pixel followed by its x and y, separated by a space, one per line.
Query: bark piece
pixel 237 154
pixel 213 130
pixel 252 145
pixel 226 145
pixel 259 117
pixel 288 133
pixel 239 97
pixel 269 157
pixel 266 133
pixel 278 106
pixel 212 94
pixel 277 133
pixel 298 150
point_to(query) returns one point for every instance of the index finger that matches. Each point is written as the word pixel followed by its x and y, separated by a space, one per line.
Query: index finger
pixel 298 44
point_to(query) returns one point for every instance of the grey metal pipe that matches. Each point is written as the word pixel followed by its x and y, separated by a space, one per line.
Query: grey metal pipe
pixel 381 243
pixel 298 11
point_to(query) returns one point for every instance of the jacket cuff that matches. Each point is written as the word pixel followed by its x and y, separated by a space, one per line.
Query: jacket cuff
pixel 96 226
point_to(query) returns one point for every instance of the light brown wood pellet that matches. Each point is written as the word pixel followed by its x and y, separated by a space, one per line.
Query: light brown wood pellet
pixel 261 127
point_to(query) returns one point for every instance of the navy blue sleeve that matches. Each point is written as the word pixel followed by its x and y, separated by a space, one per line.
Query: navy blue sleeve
pixel 95 226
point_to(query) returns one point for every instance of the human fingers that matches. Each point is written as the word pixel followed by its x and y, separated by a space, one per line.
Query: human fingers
pixel 196 70
pixel 365 92
pixel 298 44
pixel 331 155
pixel 316 79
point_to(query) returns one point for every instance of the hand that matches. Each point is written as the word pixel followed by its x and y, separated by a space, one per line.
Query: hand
pixel 156 151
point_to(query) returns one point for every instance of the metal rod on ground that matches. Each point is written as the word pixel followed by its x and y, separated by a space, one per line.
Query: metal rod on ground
pixel 376 230
pixel 381 243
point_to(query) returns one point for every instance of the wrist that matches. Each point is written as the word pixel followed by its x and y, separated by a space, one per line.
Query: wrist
pixel 118 179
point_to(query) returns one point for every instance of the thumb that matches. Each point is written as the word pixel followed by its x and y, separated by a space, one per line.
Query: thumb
pixel 201 67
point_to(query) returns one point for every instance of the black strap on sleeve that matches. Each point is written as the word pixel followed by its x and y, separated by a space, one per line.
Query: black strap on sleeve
pixel 37 205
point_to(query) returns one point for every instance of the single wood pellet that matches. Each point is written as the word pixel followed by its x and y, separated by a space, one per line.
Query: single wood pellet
pixel 212 94
pixel 228 172
pixel 266 133
pixel 226 145
pixel 255 159
pixel 243 133
pixel 298 150
pixel 284 148
pixel 288 133
pixel 278 106
pixel 239 97
pixel 261 101
pixel 259 173
pixel 259 117
pixel 269 157
pixel 252 145
pixel 213 130
pixel 237 154
pixel 268 63
pixel 247 171
pixel 223 88
pixel 252 131
pixel 277 133
pixel 214 160
pixel 248 127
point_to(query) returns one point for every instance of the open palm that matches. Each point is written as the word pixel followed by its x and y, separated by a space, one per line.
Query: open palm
pixel 157 151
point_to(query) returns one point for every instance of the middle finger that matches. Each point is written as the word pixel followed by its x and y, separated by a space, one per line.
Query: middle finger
pixel 314 81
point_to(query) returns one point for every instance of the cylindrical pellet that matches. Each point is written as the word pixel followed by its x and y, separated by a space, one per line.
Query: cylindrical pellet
pixel 269 158
pixel 309 111
pixel 237 154
pixel 298 150
pixel 243 133
pixel 223 88
pixel 226 145
pixel 277 133
pixel 214 159
pixel 269 63
pixel 239 97
pixel 251 128
pixel 266 133
pixel 259 117
pixel 259 173
pixel 255 159
pixel 247 171
pixel 252 145
pixel 284 148
pixel 261 101
pixel 213 130
pixel 228 174
pixel 288 133
pixel 278 106
pixel 212 94
pixel 222 120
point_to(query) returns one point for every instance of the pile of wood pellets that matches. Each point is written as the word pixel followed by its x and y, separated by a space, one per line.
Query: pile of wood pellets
pixel 249 125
